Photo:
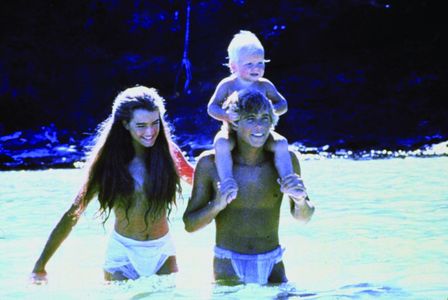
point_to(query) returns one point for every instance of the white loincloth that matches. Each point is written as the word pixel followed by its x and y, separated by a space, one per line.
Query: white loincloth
pixel 134 258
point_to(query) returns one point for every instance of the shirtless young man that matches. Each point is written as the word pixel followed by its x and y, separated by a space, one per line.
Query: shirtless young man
pixel 134 171
pixel 247 242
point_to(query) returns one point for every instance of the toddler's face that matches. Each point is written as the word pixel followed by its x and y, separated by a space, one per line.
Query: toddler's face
pixel 250 66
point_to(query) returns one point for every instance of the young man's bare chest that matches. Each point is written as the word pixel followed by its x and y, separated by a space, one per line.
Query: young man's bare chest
pixel 250 222
pixel 257 185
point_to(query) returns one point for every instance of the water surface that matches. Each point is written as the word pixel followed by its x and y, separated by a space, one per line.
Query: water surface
pixel 379 232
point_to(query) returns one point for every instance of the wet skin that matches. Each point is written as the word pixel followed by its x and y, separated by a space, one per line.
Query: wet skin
pixel 144 129
pixel 249 223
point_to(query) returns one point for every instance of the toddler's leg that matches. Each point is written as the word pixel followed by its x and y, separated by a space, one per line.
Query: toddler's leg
pixel 224 165
pixel 282 159
pixel 223 159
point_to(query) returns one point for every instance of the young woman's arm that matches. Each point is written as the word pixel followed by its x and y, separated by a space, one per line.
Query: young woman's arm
pixel 59 234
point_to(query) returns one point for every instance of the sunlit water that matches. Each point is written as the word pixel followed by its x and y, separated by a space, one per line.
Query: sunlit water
pixel 380 231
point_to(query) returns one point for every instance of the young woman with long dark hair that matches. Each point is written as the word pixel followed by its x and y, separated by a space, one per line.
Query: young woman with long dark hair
pixel 134 170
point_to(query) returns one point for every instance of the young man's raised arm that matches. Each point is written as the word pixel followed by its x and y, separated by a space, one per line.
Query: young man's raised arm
pixel 302 208
pixel 204 205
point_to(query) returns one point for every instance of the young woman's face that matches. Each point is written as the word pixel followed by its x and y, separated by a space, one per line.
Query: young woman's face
pixel 144 127
pixel 250 66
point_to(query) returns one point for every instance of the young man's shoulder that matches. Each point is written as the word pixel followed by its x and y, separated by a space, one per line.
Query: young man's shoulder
pixel 205 169
pixel 294 158
pixel 294 154
pixel 206 160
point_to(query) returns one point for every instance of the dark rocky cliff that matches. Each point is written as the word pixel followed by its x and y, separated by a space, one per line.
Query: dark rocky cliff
pixel 357 74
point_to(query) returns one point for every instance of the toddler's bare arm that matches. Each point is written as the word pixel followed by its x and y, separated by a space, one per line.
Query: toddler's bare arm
pixel 214 107
pixel 279 102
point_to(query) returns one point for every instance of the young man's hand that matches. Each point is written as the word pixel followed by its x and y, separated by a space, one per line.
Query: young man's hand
pixel 293 186
pixel 227 191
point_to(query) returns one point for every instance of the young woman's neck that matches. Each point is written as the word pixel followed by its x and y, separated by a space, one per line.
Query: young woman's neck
pixel 139 151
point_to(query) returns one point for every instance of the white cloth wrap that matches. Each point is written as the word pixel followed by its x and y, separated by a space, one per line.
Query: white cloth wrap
pixel 134 258
pixel 252 268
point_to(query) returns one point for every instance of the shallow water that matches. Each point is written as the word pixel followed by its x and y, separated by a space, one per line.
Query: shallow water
pixel 379 232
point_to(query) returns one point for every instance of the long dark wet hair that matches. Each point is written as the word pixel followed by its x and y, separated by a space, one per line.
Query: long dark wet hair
pixel 108 172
